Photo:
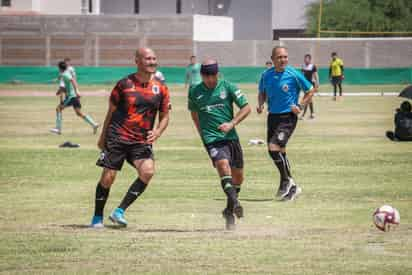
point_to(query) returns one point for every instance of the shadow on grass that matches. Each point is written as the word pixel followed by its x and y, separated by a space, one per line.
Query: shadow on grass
pixel 248 199
pixel 148 230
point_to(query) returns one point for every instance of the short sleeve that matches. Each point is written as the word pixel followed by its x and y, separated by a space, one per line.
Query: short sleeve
pixel 165 104
pixel 238 96
pixel 315 69
pixel 115 95
pixel 191 105
pixel 340 62
pixel 303 83
pixel 261 86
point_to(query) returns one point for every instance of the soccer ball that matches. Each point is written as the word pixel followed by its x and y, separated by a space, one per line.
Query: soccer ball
pixel 386 217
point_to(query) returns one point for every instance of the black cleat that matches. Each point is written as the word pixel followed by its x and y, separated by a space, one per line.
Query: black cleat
pixel 230 219
pixel 285 188
pixel 293 193
pixel 238 210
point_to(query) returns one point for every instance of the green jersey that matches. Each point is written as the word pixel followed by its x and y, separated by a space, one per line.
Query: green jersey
pixel 193 74
pixel 67 79
pixel 214 107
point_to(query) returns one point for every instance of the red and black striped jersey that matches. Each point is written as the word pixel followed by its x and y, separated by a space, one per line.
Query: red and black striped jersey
pixel 137 105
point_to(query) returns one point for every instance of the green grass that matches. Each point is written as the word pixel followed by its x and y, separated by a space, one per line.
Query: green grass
pixel 341 159
pixel 99 87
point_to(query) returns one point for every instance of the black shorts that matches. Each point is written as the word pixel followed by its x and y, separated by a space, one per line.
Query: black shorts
pixel 226 149
pixel 113 156
pixel 75 102
pixel 280 128
pixel 336 80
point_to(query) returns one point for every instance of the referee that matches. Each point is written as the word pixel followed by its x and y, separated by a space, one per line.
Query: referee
pixel 280 87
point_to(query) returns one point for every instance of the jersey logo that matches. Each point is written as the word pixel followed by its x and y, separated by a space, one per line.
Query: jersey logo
pixel 155 89
pixel 223 94
pixel 285 88
pixel 199 97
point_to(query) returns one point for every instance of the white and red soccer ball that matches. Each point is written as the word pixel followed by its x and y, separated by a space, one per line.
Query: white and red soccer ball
pixel 386 217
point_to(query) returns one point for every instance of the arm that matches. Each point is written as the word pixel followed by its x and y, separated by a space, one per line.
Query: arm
pixel 102 140
pixel 76 87
pixel 316 79
pixel 195 118
pixel 154 134
pixel 261 102
pixel 187 78
pixel 240 115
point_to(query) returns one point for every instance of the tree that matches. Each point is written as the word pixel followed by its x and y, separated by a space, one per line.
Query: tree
pixel 360 16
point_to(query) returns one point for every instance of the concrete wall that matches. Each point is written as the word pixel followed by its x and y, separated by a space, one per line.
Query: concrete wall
pixel 357 53
pixel 288 14
pixel 252 19
pixel 47 6
pixel 93 40
pixel 212 28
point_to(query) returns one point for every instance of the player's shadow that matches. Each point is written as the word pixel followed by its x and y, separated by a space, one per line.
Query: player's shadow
pixel 148 230
pixel 248 199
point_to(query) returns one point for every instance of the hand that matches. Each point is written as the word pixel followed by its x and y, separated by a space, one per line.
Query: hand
pixel 260 108
pixel 78 95
pixel 342 77
pixel 226 127
pixel 152 136
pixel 101 143
pixel 295 109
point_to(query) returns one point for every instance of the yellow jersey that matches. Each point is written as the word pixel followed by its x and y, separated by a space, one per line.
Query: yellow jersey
pixel 335 66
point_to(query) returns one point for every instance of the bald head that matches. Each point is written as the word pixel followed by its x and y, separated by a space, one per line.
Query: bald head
pixel 146 60
pixel 143 51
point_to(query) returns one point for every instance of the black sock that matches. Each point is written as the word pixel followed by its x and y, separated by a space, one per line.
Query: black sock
pixel 237 188
pixel 100 200
pixel 287 164
pixel 135 190
pixel 230 191
pixel 280 163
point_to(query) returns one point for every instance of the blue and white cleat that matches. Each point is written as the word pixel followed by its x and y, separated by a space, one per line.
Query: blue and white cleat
pixel 97 222
pixel 117 216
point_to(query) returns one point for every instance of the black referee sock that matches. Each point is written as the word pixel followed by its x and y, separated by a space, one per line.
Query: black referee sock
pixel 100 200
pixel 135 190
pixel 230 191
pixel 287 164
pixel 280 163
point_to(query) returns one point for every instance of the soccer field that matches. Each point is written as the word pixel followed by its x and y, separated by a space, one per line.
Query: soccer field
pixel 342 160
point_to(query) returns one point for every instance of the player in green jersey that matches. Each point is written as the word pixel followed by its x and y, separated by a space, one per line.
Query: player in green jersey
pixel 193 73
pixel 211 106
pixel 72 98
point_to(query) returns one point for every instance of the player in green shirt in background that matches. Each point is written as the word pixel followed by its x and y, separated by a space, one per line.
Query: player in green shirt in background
pixel 211 106
pixel 193 73
pixel 72 98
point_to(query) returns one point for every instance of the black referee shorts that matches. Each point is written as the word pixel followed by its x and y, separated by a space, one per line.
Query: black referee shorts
pixel 280 128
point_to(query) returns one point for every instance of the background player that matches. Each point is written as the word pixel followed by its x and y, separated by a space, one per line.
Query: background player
pixel 211 106
pixel 192 73
pixel 128 133
pixel 72 98
pixel 310 72
pixel 280 87
pixel 336 74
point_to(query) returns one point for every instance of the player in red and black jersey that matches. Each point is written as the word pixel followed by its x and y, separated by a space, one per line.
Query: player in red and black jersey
pixel 128 133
